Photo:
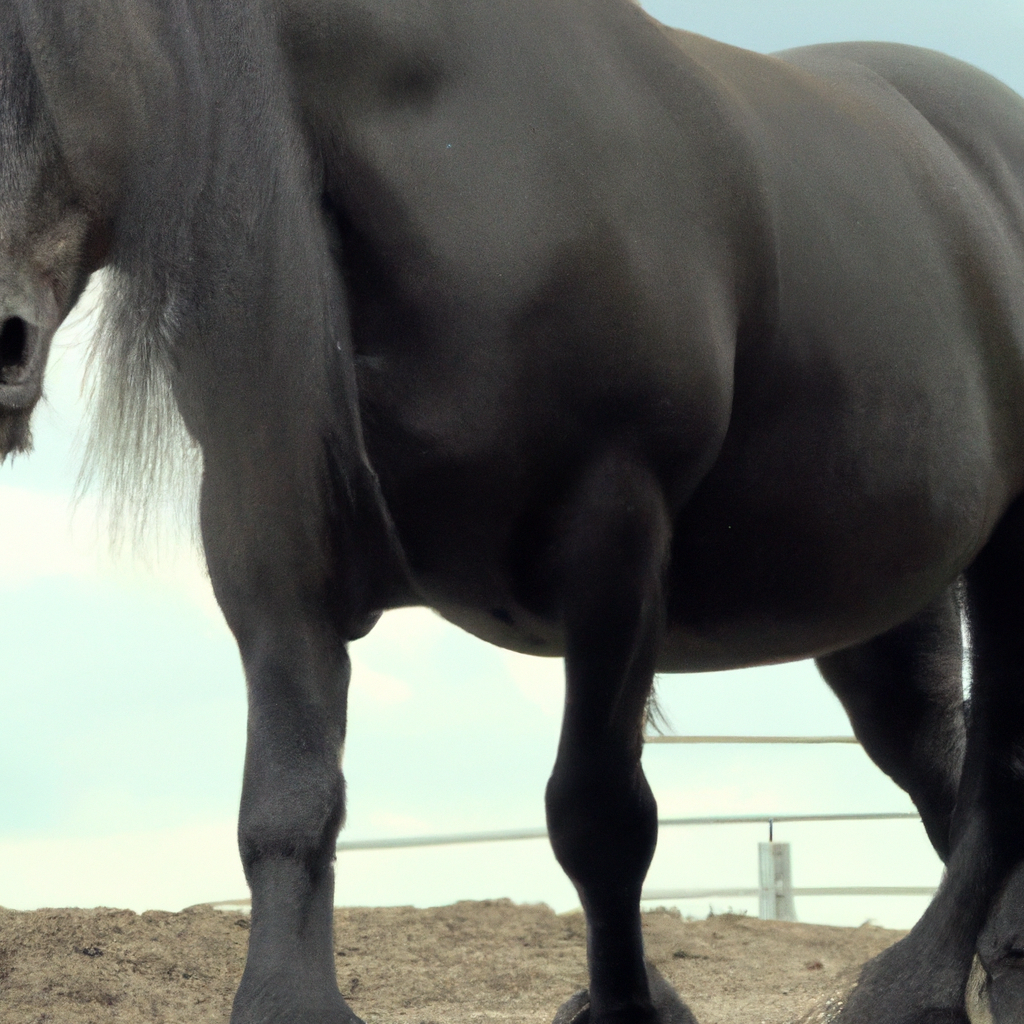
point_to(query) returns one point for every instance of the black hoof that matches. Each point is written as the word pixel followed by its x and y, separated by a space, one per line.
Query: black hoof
pixel 668 1007
pixel 575 1010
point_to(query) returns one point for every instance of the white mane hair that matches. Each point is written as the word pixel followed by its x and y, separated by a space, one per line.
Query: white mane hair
pixel 138 457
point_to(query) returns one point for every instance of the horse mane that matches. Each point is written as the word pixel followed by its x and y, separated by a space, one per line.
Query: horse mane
pixel 138 456
pixel 182 201
pixel 210 192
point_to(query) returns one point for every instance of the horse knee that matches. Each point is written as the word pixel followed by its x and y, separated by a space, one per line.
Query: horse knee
pixel 293 792
pixel 296 816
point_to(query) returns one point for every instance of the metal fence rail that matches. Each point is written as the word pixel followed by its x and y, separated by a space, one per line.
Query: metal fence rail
pixel 751 739
pixel 507 835
pixel 512 835
pixel 504 836
pixel 850 890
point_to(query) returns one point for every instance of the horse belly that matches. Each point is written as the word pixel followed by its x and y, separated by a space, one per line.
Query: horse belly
pixel 833 524
pixel 876 436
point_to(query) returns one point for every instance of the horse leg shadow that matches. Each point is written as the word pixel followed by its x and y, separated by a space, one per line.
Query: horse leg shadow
pixel 922 979
pixel 602 817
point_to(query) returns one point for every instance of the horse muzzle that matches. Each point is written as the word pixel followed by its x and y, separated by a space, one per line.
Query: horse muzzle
pixel 24 346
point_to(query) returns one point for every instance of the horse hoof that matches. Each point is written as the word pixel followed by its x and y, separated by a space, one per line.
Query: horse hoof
pixel 575 1010
pixel 668 1007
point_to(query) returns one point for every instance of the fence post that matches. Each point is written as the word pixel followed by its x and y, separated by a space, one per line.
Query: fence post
pixel 775 882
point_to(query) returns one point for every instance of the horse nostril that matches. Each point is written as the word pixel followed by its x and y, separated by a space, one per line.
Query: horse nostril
pixel 13 347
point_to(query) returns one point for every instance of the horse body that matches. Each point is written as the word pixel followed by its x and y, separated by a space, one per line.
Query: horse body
pixel 828 508
pixel 713 275
pixel 604 340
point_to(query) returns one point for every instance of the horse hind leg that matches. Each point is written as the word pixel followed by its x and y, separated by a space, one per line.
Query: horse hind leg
pixel 1000 964
pixel 903 693
pixel 601 813
pixel 922 979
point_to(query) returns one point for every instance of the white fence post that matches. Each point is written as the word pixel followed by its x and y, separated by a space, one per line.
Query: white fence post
pixel 775 881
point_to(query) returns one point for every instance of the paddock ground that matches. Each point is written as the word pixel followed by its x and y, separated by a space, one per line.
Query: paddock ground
pixel 463 964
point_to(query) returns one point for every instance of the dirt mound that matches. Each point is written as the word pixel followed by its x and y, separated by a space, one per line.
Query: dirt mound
pixel 463 964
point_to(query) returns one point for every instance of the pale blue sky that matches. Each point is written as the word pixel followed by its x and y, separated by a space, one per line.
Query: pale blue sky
pixel 122 703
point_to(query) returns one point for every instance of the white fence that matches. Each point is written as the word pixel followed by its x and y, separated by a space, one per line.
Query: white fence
pixel 510 835
pixel 776 889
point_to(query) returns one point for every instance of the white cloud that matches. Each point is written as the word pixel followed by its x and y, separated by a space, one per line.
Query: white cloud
pixel 540 680
pixel 386 823
pixel 47 536
pixel 41 538
pixel 378 687
pixel 160 869
pixel 408 630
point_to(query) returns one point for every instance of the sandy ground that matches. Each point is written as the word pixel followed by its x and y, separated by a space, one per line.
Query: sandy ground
pixel 463 964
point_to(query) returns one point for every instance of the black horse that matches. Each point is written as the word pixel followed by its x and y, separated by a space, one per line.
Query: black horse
pixel 603 340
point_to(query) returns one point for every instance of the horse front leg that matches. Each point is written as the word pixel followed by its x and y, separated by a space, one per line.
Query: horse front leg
pixel 601 813
pixel 291 810
pixel 274 584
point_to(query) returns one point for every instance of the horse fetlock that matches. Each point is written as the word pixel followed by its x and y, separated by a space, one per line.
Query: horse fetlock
pixel 997 980
pixel 903 1012
pixel 575 1010
pixel 908 984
